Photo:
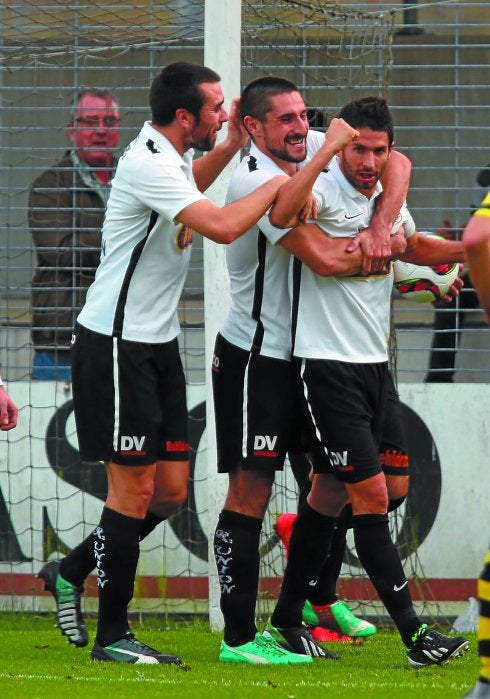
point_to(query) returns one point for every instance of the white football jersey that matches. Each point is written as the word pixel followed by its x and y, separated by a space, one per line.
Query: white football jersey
pixel 145 252
pixel 343 318
pixel 258 266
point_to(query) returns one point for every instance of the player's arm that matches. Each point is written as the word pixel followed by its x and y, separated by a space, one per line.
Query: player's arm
pixel 432 250
pixel 207 168
pixel 327 256
pixel 225 224
pixel 8 410
pixel 476 240
pixel 295 193
pixel 375 240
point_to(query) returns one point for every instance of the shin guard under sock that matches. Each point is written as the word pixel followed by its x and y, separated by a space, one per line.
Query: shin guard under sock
pixel 308 549
pixel 325 590
pixel 116 550
pixel 79 563
pixel 236 552
pixel 381 561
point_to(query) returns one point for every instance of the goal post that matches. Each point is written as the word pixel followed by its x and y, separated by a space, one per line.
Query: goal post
pixel 221 20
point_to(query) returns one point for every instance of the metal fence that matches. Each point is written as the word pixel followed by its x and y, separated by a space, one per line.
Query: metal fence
pixel 430 59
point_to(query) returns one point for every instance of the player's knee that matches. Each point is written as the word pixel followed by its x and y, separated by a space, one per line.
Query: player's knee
pixel 369 496
pixel 166 503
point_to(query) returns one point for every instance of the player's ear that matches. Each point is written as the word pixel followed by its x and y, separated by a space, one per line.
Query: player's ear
pixel 252 125
pixel 184 118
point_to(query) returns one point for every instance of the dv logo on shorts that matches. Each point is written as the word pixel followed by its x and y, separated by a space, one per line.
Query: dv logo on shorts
pixel 339 460
pixel 264 445
pixel 132 446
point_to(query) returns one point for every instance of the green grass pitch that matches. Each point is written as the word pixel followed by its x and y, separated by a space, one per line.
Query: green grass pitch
pixel 38 663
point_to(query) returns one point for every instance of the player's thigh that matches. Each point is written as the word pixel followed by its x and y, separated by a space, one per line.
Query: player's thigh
pixel 343 405
pixel 253 402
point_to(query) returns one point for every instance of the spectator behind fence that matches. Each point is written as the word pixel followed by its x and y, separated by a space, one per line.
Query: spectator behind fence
pixel 449 318
pixel 66 211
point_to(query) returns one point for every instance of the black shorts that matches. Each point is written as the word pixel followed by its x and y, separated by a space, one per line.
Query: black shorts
pixel 393 449
pixel 253 407
pixel 344 407
pixel 129 400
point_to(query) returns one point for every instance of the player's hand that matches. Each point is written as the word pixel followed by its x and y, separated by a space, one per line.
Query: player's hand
pixel 237 134
pixel 309 210
pixel 453 291
pixel 8 411
pixel 340 133
pixel 398 244
pixel 375 246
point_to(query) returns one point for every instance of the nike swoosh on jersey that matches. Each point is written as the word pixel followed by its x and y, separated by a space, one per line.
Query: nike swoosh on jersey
pixel 355 216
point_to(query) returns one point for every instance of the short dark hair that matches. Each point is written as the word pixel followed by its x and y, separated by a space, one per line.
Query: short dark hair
pixel 100 92
pixel 254 101
pixel 177 87
pixel 370 113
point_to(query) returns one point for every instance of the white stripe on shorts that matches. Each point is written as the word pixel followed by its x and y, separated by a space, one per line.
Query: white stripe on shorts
pixel 245 411
pixel 115 373
pixel 305 393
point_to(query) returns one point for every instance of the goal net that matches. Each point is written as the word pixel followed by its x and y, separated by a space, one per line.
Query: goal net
pixel 49 498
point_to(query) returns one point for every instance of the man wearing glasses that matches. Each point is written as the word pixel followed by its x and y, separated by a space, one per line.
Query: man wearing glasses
pixel 66 211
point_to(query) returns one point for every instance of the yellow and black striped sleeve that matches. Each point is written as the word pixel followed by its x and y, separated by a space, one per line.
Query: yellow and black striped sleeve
pixel 484 209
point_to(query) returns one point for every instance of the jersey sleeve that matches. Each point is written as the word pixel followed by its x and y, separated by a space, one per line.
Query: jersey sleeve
pixel 404 219
pixel 163 184
pixel 484 208
pixel 244 181
pixel 314 141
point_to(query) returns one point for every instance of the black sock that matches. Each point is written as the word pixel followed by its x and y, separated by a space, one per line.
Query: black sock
pixel 116 550
pixel 308 548
pixel 381 561
pixel 236 552
pixel 325 590
pixel 79 563
pixel 150 522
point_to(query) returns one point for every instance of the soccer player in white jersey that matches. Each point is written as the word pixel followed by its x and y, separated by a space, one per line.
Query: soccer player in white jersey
pixel 252 376
pixel 340 336
pixel 128 382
